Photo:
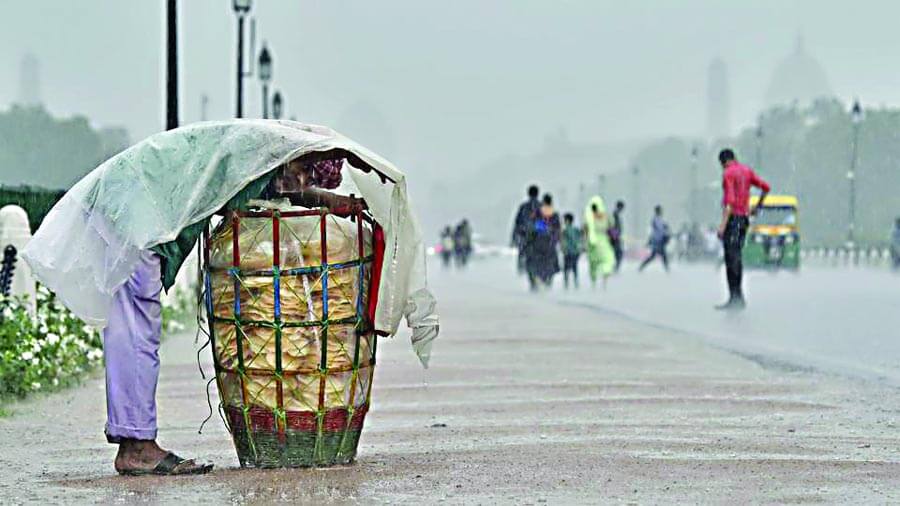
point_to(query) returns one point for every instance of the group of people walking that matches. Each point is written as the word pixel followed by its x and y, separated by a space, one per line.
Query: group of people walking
pixel 538 234
pixel 456 244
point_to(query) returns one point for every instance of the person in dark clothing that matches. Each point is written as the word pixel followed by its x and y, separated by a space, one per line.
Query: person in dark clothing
pixel 615 233
pixel 448 246
pixel 572 246
pixel 462 241
pixel 737 179
pixel 522 225
pixel 659 239
pixel 895 245
pixel 543 239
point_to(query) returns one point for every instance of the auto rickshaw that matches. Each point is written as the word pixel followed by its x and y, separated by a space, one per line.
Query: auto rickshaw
pixel 773 239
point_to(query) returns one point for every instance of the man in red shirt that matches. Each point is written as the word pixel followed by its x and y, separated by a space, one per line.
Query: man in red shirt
pixel 737 179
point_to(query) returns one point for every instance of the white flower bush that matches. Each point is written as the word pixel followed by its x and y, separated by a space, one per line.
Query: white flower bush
pixel 53 348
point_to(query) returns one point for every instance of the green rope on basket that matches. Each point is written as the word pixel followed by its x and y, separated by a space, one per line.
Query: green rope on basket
pixel 248 429
pixel 355 374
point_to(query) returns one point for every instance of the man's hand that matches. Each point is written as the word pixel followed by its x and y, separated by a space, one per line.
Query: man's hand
pixel 762 198
pixel 726 215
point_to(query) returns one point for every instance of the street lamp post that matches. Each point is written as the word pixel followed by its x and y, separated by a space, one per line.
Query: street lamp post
pixel 692 194
pixel 636 208
pixel 856 117
pixel 277 103
pixel 265 75
pixel 759 141
pixel 241 8
pixel 171 64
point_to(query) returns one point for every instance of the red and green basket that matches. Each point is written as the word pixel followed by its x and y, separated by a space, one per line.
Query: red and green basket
pixel 290 297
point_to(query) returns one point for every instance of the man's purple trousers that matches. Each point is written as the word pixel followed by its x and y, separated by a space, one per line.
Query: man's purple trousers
pixel 131 352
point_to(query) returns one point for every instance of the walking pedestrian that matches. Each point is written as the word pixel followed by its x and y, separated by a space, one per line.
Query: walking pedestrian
pixel 462 243
pixel 895 245
pixel 601 257
pixel 572 246
pixel 659 239
pixel 737 179
pixel 542 257
pixel 522 225
pixel 615 233
pixel 447 246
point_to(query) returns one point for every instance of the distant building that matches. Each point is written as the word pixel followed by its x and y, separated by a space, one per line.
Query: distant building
pixel 29 81
pixel 718 104
pixel 799 79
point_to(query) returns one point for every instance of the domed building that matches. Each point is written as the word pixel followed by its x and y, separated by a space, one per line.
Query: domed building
pixel 798 79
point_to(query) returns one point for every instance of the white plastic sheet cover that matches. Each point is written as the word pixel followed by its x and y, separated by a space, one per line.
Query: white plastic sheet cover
pixel 90 242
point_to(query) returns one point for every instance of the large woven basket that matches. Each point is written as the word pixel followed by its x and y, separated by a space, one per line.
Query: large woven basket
pixel 289 312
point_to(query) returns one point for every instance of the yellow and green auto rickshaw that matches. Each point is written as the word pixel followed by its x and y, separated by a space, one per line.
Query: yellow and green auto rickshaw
pixel 773 240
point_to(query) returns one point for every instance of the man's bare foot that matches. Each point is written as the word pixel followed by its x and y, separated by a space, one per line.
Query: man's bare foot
pixel 137 457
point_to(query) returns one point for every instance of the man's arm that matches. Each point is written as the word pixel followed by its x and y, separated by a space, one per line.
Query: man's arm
pixel 763 186
pixel 727 200
pixel 762 197
pixel 314 197
pixel 726 213
pixel 518 226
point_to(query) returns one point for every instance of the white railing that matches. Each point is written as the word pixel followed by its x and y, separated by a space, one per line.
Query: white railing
pixel 859 256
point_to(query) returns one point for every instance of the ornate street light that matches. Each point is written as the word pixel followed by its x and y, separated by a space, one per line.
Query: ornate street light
pixel 276 105
pixel 265 75
pixel 241 8
pixel 856 116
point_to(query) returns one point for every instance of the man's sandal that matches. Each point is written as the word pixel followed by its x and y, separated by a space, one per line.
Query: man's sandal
pixel 170 465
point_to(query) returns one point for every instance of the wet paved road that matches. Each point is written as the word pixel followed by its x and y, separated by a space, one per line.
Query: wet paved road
pixel 840 320
pixel 527 402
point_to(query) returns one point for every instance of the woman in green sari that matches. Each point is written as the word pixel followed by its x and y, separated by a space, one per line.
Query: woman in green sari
pixel 601 256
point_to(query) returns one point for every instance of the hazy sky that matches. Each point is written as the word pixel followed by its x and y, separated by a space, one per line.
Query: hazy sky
pixel 458 82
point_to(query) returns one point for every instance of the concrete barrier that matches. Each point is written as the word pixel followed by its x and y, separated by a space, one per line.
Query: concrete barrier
pixel 14 230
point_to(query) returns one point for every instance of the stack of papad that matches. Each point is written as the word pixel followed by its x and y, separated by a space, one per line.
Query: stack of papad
pixel 301 299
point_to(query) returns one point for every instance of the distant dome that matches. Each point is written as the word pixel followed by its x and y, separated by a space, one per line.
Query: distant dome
pixel 798 78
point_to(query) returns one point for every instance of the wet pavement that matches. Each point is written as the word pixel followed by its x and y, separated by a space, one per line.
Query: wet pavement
pixel 844 321
pixel 529 400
